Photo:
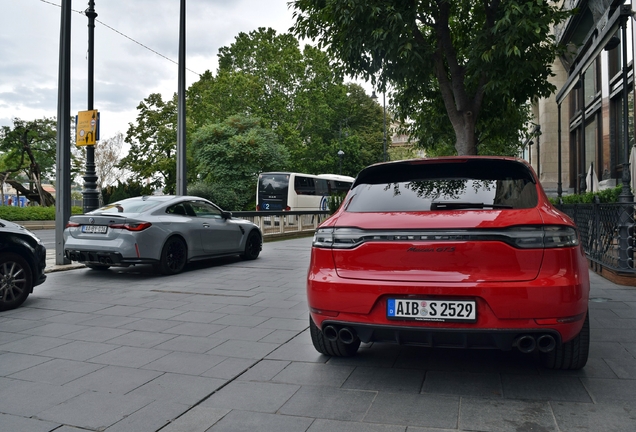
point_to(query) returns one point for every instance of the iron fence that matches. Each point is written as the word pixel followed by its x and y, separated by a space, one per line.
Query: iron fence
pixel 607 231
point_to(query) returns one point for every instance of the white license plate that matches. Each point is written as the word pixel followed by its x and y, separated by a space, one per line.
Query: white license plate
pixel 94 229
pixel 431 310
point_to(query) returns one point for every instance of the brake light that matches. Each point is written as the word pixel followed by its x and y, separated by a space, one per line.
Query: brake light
pixel 72 225
pixel 520 237
pixel 138 226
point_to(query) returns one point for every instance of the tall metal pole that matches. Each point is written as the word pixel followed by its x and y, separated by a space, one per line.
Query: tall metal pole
pixel 90 193
pixel 583 173
pixel 63 151
pixel 181 108
pixel 625 197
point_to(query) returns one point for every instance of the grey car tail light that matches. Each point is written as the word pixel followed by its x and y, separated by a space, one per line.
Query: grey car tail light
pixel 521 237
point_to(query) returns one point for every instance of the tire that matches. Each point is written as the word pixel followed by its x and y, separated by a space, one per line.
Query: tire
pixel 327 347
pixel 16 281
pixel 173 256
pixel 252 246
pixel 571 355
pixel 98 267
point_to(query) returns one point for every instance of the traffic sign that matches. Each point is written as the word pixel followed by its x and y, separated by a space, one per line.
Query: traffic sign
pixel 87 128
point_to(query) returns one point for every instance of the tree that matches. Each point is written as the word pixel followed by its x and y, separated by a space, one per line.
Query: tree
pixel 107 159
pixel 29 149
pixel 468 53
pixel 298 95
pixel 231 154
pixel 153 143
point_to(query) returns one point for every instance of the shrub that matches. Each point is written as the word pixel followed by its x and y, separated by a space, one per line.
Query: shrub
pixel 604 196
pixel 37 213
pixel 334 201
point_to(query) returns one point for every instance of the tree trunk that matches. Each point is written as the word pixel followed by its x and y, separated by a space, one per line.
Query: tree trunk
pixel 465 141
pixel 46 200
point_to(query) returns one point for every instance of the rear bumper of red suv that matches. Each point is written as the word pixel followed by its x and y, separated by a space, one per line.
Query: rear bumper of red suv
pixel 555 304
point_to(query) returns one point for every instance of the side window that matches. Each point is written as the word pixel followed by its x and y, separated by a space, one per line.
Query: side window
pixel 177 209
pixel 304 185
pixel 205 210
pixel 321 187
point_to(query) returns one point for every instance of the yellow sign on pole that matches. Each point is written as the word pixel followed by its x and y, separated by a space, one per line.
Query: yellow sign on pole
pixel 86 128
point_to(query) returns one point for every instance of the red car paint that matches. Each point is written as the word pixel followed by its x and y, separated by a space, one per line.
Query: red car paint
pixel 517 291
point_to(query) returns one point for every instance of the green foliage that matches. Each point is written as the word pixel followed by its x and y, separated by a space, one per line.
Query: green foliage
pixel 222 195
pixel 153 143
pixel 298 95
pixel 35 213
pixel 28 153
pixel 604 196
pixel 467 59
pixel 230 156
pixel 122 191
pixel 334 201
pixel 27 142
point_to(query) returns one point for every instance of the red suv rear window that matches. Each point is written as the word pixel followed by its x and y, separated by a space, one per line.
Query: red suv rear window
pixel 472 184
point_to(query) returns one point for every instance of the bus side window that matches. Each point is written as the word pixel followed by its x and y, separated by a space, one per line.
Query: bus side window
pixel 342 186
pixel 304 185
pixel 321 187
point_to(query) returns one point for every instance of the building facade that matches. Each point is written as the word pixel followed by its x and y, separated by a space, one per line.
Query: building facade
pixel 584 133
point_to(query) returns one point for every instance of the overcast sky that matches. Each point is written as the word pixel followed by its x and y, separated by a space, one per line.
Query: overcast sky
pixel 125 72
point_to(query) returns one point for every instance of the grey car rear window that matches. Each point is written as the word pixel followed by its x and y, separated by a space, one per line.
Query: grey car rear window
pixel 133 205
pixel 465 185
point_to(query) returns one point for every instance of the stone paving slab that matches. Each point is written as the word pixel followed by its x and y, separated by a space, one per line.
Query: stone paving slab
pixel 224 346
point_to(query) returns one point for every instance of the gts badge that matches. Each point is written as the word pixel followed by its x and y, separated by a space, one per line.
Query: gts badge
pixel 439 249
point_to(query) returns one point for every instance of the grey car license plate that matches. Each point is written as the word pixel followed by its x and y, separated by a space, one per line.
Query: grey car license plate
pixel 431 310
pixel 94 229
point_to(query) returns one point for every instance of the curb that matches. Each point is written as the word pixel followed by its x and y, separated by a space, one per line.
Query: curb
pixel 37 225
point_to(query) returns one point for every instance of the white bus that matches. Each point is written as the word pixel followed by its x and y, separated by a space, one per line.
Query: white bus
pixel 288 191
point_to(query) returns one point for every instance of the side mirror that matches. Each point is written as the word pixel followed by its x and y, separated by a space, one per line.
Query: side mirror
pixel 226 214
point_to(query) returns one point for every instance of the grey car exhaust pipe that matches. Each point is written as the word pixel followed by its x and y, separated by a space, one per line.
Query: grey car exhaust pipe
pixel 346 335
pixel 330 333
pixel 526 344
pixel 546 343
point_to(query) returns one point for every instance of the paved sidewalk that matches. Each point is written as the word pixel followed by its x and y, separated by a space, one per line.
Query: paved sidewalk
pixel 224 346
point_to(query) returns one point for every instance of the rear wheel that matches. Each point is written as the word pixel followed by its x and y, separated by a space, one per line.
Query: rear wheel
pixel 16 281
pixel 252 246
pixel 327 347
pixel 97 266
pixel 173 256
pixel 572 354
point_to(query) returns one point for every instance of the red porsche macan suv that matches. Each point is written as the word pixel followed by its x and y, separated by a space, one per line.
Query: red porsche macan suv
pixel 462 252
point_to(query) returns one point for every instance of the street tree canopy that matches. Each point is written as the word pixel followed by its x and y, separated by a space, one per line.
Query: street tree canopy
pixel 232 153
pixel 469 53
pixel 27 153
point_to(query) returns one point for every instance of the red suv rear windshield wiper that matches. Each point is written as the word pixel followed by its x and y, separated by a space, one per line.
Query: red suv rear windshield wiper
pixel 465 205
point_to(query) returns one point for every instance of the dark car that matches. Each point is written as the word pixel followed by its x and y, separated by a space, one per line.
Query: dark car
pixel 462 252
pixel 22 263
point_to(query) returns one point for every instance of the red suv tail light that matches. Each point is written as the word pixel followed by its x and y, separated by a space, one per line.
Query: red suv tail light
pixel 521 237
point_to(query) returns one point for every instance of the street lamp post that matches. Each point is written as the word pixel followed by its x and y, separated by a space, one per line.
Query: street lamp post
pixel 90 193
pixel 375 98
pixel 340 156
